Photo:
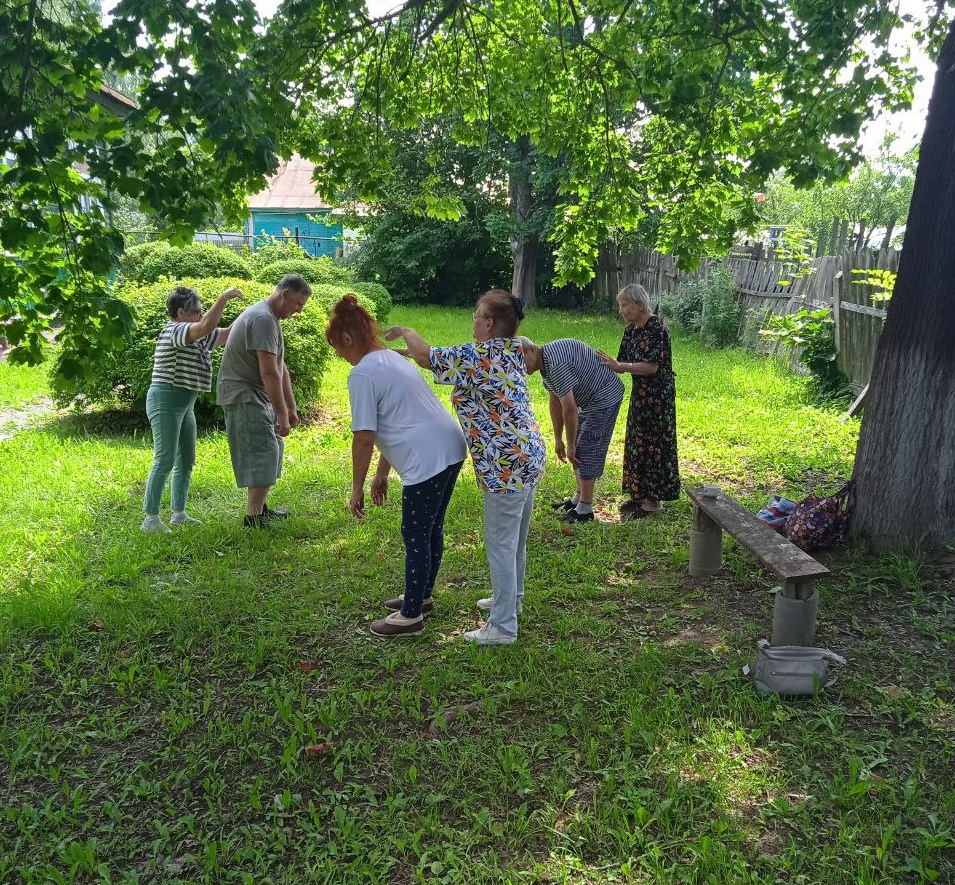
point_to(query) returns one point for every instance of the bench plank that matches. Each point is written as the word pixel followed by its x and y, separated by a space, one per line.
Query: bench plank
pixel 768 546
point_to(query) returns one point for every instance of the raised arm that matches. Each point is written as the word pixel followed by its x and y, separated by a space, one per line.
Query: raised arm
pixel 211 317
pixel 418 348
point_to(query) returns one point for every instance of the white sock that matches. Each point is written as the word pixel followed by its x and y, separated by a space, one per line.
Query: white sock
pixel 575 500
pixel 585 507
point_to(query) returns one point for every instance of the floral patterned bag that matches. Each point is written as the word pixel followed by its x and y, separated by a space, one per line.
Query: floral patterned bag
pixel 816 522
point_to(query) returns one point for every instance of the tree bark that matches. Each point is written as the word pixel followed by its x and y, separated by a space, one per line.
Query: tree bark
pixel 905 462
pixel 524 244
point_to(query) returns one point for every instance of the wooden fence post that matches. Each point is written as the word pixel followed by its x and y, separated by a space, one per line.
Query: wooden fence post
pixel 837 310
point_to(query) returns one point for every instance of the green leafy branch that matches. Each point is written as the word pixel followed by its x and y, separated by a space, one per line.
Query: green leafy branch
pixel 882 280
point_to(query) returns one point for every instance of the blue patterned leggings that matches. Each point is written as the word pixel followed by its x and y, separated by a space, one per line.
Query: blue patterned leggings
pixel 423 506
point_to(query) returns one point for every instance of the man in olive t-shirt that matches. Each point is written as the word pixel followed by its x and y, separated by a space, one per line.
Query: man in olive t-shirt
pixel 255 392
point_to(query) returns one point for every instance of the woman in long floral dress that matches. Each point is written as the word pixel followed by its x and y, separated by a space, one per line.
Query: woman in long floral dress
pixel 651 472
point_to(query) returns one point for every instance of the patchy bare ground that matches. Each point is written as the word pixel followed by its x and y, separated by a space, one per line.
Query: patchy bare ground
pixel 12 421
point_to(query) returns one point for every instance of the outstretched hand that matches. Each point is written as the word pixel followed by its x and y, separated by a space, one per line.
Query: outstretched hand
pixel 608 361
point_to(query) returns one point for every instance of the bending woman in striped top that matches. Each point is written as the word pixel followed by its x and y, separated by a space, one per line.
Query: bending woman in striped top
pixel 181 370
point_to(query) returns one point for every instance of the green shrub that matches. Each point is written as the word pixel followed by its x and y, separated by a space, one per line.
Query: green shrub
pixel 315 270
pixel 132 260
pixel 379 294
pixel 719 319
pixel 195 261
pixel 686 306
pixel 122 378
pixel 269 249
pixel 811 334
pixel 326 295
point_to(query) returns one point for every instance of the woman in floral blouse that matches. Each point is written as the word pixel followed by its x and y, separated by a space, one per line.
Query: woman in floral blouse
pixel 650 468
pixel 491 401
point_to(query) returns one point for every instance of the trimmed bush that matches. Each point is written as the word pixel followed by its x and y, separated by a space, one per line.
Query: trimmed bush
pixel 122 378
pixel 270 249
pixel 327 295
pixel 379 294
pixel 196 261
pixel 316 271
pixel 132 260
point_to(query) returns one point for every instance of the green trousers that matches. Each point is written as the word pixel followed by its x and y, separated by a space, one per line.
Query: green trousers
pixel 170 412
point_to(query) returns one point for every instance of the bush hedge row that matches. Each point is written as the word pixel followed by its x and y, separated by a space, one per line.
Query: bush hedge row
pixel 122 378
pixel 315 270
pixel 195 261
pixel 155 261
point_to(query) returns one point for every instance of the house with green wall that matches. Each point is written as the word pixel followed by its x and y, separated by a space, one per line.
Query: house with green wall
pixel 290 208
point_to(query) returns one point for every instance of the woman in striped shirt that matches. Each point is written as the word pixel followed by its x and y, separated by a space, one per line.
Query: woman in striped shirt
pixel 181 370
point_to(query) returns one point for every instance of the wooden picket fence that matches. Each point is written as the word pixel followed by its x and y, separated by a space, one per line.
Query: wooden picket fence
pixel 768 286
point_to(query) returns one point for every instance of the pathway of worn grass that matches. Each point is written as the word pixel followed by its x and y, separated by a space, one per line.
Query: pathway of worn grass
pixel 209 706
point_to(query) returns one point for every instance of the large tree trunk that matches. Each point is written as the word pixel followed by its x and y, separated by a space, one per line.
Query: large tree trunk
pixel 524 245
pixel 905 462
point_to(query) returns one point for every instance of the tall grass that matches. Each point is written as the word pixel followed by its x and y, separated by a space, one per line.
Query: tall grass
pixel 209 706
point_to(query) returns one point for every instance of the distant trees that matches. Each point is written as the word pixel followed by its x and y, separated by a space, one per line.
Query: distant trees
pixel 876 194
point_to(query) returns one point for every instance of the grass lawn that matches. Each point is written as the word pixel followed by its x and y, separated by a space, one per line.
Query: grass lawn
pixel 209 706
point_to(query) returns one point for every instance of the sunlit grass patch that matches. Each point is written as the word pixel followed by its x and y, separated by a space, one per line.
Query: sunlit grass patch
pixel 209 706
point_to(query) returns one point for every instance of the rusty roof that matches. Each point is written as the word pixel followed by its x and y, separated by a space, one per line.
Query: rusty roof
pixel 290 188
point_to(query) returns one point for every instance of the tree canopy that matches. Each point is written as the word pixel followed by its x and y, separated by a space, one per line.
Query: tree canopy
pixel 679 108
pixel 674 108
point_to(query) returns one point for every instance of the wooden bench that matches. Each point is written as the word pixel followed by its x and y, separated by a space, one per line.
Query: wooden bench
pixel 794 616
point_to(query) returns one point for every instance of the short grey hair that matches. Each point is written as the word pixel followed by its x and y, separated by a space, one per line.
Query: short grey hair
pixel 637 294
pixel 296 283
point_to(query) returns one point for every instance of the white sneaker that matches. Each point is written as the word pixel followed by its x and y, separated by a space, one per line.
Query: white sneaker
pixel 180 517
pixel 485 604
pixel 489 635
pixel 154 524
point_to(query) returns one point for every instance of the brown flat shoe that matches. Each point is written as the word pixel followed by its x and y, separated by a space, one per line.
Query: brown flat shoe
pixel 389 629
pixel 394 605
pixel 629 506
pixel 636 513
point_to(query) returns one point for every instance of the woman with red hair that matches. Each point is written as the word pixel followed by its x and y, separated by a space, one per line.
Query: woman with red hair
pixel 393 408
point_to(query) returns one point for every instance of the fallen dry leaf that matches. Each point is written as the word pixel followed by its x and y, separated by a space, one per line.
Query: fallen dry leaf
pixel 319 749
pixel 306 666
pixel 96 626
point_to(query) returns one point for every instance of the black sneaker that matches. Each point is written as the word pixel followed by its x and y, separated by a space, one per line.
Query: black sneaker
pixel 268 514
pixel 255 521
pixel 564 505
pixel 574 516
